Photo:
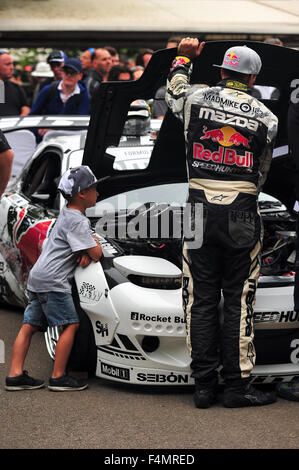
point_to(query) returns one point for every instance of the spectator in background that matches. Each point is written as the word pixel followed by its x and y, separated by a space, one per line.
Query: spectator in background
pixel 86 60
pixel 274 41
pixel 160 107
pixel 267 92
pixel 173 41
pixel 120 73
pixel 56 61
pixel 18 76
pixel 128 61
pixel 41 71
pixel 137 71
pixel 6 159
pixel 101 66
pixel 114 55
pixel 16 103
pixel 69 96
pixel 144 57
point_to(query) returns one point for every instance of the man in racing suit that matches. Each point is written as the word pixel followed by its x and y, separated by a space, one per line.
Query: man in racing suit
pixel 229 139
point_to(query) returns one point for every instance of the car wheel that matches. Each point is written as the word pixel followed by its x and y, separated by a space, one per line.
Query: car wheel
pixel 83 357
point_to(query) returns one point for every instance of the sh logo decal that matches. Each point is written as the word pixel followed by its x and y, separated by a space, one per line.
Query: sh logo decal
pixel 101 328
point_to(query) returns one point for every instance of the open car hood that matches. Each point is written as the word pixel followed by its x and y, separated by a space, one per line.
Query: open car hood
pixel 167 163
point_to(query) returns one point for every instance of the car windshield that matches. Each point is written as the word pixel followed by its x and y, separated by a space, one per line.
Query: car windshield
pixel 174 194
pixel 171 193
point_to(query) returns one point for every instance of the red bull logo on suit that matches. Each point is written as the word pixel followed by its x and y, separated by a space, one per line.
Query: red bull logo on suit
pixel 222 155
pixel 226 136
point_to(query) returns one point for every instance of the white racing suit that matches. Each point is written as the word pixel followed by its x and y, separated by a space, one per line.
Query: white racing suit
pixel 229 139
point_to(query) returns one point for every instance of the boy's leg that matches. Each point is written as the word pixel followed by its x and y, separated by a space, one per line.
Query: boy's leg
pixel 17 378
pixel 60 310
pixel 20 349
pixel 63 349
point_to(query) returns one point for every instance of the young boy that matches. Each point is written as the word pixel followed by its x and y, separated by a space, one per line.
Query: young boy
pixel 49 283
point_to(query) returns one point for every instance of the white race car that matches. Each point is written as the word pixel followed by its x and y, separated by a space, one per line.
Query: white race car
pixel 132 325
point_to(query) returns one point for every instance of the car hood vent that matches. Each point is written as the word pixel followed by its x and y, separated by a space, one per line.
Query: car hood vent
pixel 146 266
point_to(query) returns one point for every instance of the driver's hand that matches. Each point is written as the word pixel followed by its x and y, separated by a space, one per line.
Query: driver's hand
pixel 190 47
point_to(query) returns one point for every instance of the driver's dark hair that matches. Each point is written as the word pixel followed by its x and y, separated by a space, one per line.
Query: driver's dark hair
pixel 235 75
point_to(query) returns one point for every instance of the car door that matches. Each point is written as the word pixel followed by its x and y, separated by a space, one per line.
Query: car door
pixel 30 214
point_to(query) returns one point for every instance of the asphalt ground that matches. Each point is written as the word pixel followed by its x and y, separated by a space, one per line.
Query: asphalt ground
pixel 113 416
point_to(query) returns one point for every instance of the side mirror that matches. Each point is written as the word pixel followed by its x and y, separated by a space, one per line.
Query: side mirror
pixel 39 197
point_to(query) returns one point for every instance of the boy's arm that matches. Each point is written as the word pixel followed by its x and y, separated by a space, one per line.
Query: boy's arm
pixel 95 252
pixel 83 260
pixel 85 257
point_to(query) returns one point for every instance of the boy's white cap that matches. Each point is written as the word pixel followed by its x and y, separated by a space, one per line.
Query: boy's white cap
pixel 241 59
pixel 75 180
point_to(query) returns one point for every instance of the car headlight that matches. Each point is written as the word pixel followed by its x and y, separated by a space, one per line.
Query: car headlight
pixel 156 282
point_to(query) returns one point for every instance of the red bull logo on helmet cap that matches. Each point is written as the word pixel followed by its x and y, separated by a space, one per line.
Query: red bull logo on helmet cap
pixel 231 59
pixel 242 59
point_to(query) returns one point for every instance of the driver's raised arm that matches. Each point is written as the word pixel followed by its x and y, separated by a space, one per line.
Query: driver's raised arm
pixel 178 80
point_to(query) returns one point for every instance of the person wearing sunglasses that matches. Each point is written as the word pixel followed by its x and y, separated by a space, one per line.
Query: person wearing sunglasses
pixel 56 61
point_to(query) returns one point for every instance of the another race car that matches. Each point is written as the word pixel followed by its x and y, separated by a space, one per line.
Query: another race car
pixel 132 325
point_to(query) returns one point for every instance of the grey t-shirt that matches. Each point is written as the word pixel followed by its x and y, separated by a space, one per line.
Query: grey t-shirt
pixel 54 269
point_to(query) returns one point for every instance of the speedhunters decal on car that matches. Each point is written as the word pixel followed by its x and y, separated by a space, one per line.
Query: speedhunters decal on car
pixel 276 317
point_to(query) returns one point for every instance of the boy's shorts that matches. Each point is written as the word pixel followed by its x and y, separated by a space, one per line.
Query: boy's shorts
pixel 50 309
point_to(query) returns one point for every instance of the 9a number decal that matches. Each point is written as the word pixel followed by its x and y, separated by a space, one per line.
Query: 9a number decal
pixel 295 353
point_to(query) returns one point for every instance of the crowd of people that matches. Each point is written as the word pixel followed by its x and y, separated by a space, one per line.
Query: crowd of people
pixel 65 85
pixel 62 85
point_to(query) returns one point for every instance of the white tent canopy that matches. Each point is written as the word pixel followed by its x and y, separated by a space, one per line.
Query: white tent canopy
pixel 214 16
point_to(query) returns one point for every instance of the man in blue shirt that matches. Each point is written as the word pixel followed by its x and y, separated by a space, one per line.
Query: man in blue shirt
pixel 68 96
pixel 64 99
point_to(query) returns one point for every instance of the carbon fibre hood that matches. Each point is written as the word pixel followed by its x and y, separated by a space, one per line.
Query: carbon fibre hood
pixel 167 164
